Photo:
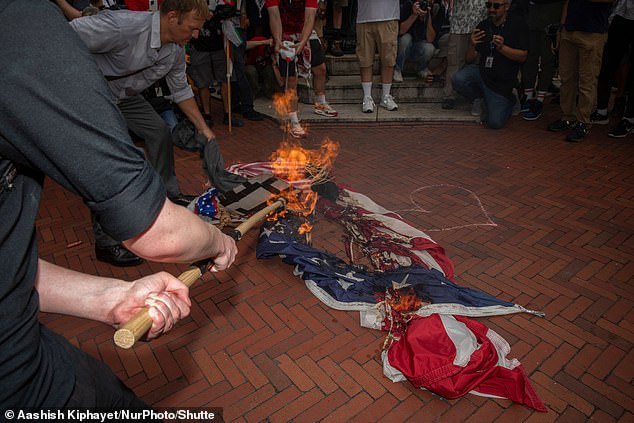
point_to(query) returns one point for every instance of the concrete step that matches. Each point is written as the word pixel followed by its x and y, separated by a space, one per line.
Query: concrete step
pixel 344 84
pixel 348 64
pixel 346 89
pixel 349 113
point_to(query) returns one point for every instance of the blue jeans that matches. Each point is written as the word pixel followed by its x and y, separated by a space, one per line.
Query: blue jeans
pixel 419 52
pixel 170 118
pixel 468 82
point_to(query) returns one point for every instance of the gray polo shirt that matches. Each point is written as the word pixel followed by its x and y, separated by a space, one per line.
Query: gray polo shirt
pixel 123 42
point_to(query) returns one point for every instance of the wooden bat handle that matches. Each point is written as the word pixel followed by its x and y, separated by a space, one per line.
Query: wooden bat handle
pixel 137 326
pixel 253 220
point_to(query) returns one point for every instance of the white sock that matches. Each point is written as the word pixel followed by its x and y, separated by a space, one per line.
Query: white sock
pixel 293 117
pixel 386 89
pixel 602 112
pixel 321 99
pixel 367 89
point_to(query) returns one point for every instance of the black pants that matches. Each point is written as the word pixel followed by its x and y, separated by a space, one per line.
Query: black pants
pixel 620 39
pixel 96 386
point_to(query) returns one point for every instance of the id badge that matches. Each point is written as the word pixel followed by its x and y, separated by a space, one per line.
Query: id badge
pixel 488 62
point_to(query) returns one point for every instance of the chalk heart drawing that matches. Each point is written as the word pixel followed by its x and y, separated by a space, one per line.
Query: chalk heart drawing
pixel 441 189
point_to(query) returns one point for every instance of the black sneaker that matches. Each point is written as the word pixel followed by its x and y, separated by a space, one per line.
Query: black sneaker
pixel 560 125
pixel 598 118
pixel 536 109
pixel 621 130
pixel 448 103
pixel 235 122
pixel 578 133
pixel 252 115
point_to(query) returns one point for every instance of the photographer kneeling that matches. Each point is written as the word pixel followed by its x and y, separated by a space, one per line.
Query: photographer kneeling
pixel 500 44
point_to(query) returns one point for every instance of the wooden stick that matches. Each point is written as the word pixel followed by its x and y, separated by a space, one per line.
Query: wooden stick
pixel 228 61
pixel 238 232
pixel 127 335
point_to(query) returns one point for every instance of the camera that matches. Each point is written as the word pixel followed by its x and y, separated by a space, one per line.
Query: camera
pixel 225 11
pixel 424 4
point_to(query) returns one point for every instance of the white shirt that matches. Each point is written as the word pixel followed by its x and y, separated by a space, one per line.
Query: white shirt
pixel 378 10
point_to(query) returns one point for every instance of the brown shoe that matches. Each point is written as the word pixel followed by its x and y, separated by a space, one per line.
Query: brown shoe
pixel 335 48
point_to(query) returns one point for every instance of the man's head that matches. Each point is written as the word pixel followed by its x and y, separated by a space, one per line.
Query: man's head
pixel 181 18
pixel 496 9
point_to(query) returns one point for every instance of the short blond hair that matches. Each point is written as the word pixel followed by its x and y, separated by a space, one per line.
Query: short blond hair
pixel 184 6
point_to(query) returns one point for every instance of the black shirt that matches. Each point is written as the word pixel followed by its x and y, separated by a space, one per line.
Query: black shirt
pixel 57 118
pixel 501 77
pixel 587 16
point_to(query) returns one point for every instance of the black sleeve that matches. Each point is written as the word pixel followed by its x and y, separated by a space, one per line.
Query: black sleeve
pixel 58 117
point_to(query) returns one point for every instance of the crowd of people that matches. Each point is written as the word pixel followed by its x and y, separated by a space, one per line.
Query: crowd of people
pixel 505 57
pixel 100 63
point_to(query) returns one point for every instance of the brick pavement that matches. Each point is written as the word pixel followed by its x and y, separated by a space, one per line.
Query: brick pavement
pixel 555 233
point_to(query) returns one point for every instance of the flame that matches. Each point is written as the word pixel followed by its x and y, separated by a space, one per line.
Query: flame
pixel 301 167
pixel 404 301
pixel 284 103
pixel 305 227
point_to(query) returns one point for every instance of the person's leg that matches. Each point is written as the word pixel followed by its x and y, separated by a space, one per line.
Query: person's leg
pixel 467 82
pixel 498 107
pixel 531 66
pixel 337 23
pixel 569 75
pixel 421 54
pixel 201 71
pixel 96 386
pixel 404 45
pixel 318 68
pixel 254 80
pixel 143 121
pixel 456 50
pixel 387 35
pixel 366 48
pixel 590 53
pixel 615 47
pixel 219 60
pixel 245 91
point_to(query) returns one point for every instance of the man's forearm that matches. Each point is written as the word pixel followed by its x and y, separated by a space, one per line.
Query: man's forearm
pixel 309 24
pixel 177 236
pixel 191 110
pixel 77 294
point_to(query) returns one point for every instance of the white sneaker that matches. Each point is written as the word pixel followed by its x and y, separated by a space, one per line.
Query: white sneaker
pixel 398 76
pixel 324 109
pixel 368 105
pixel 297 131
pixel 389 103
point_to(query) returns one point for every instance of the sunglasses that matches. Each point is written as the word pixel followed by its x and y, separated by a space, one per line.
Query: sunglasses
pixel 496 6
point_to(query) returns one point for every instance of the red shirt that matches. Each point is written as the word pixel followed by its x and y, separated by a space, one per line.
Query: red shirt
pixel 292 13
pixel 139 5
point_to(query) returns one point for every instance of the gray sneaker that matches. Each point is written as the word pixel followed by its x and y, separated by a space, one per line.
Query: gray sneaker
pixel 368 105
pixel 388 103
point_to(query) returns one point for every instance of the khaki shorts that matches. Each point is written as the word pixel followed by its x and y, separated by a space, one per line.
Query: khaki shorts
pixel 373 36
pixel 341 3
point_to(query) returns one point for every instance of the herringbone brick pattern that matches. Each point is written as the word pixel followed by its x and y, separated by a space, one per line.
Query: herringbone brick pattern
pixel 524 215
